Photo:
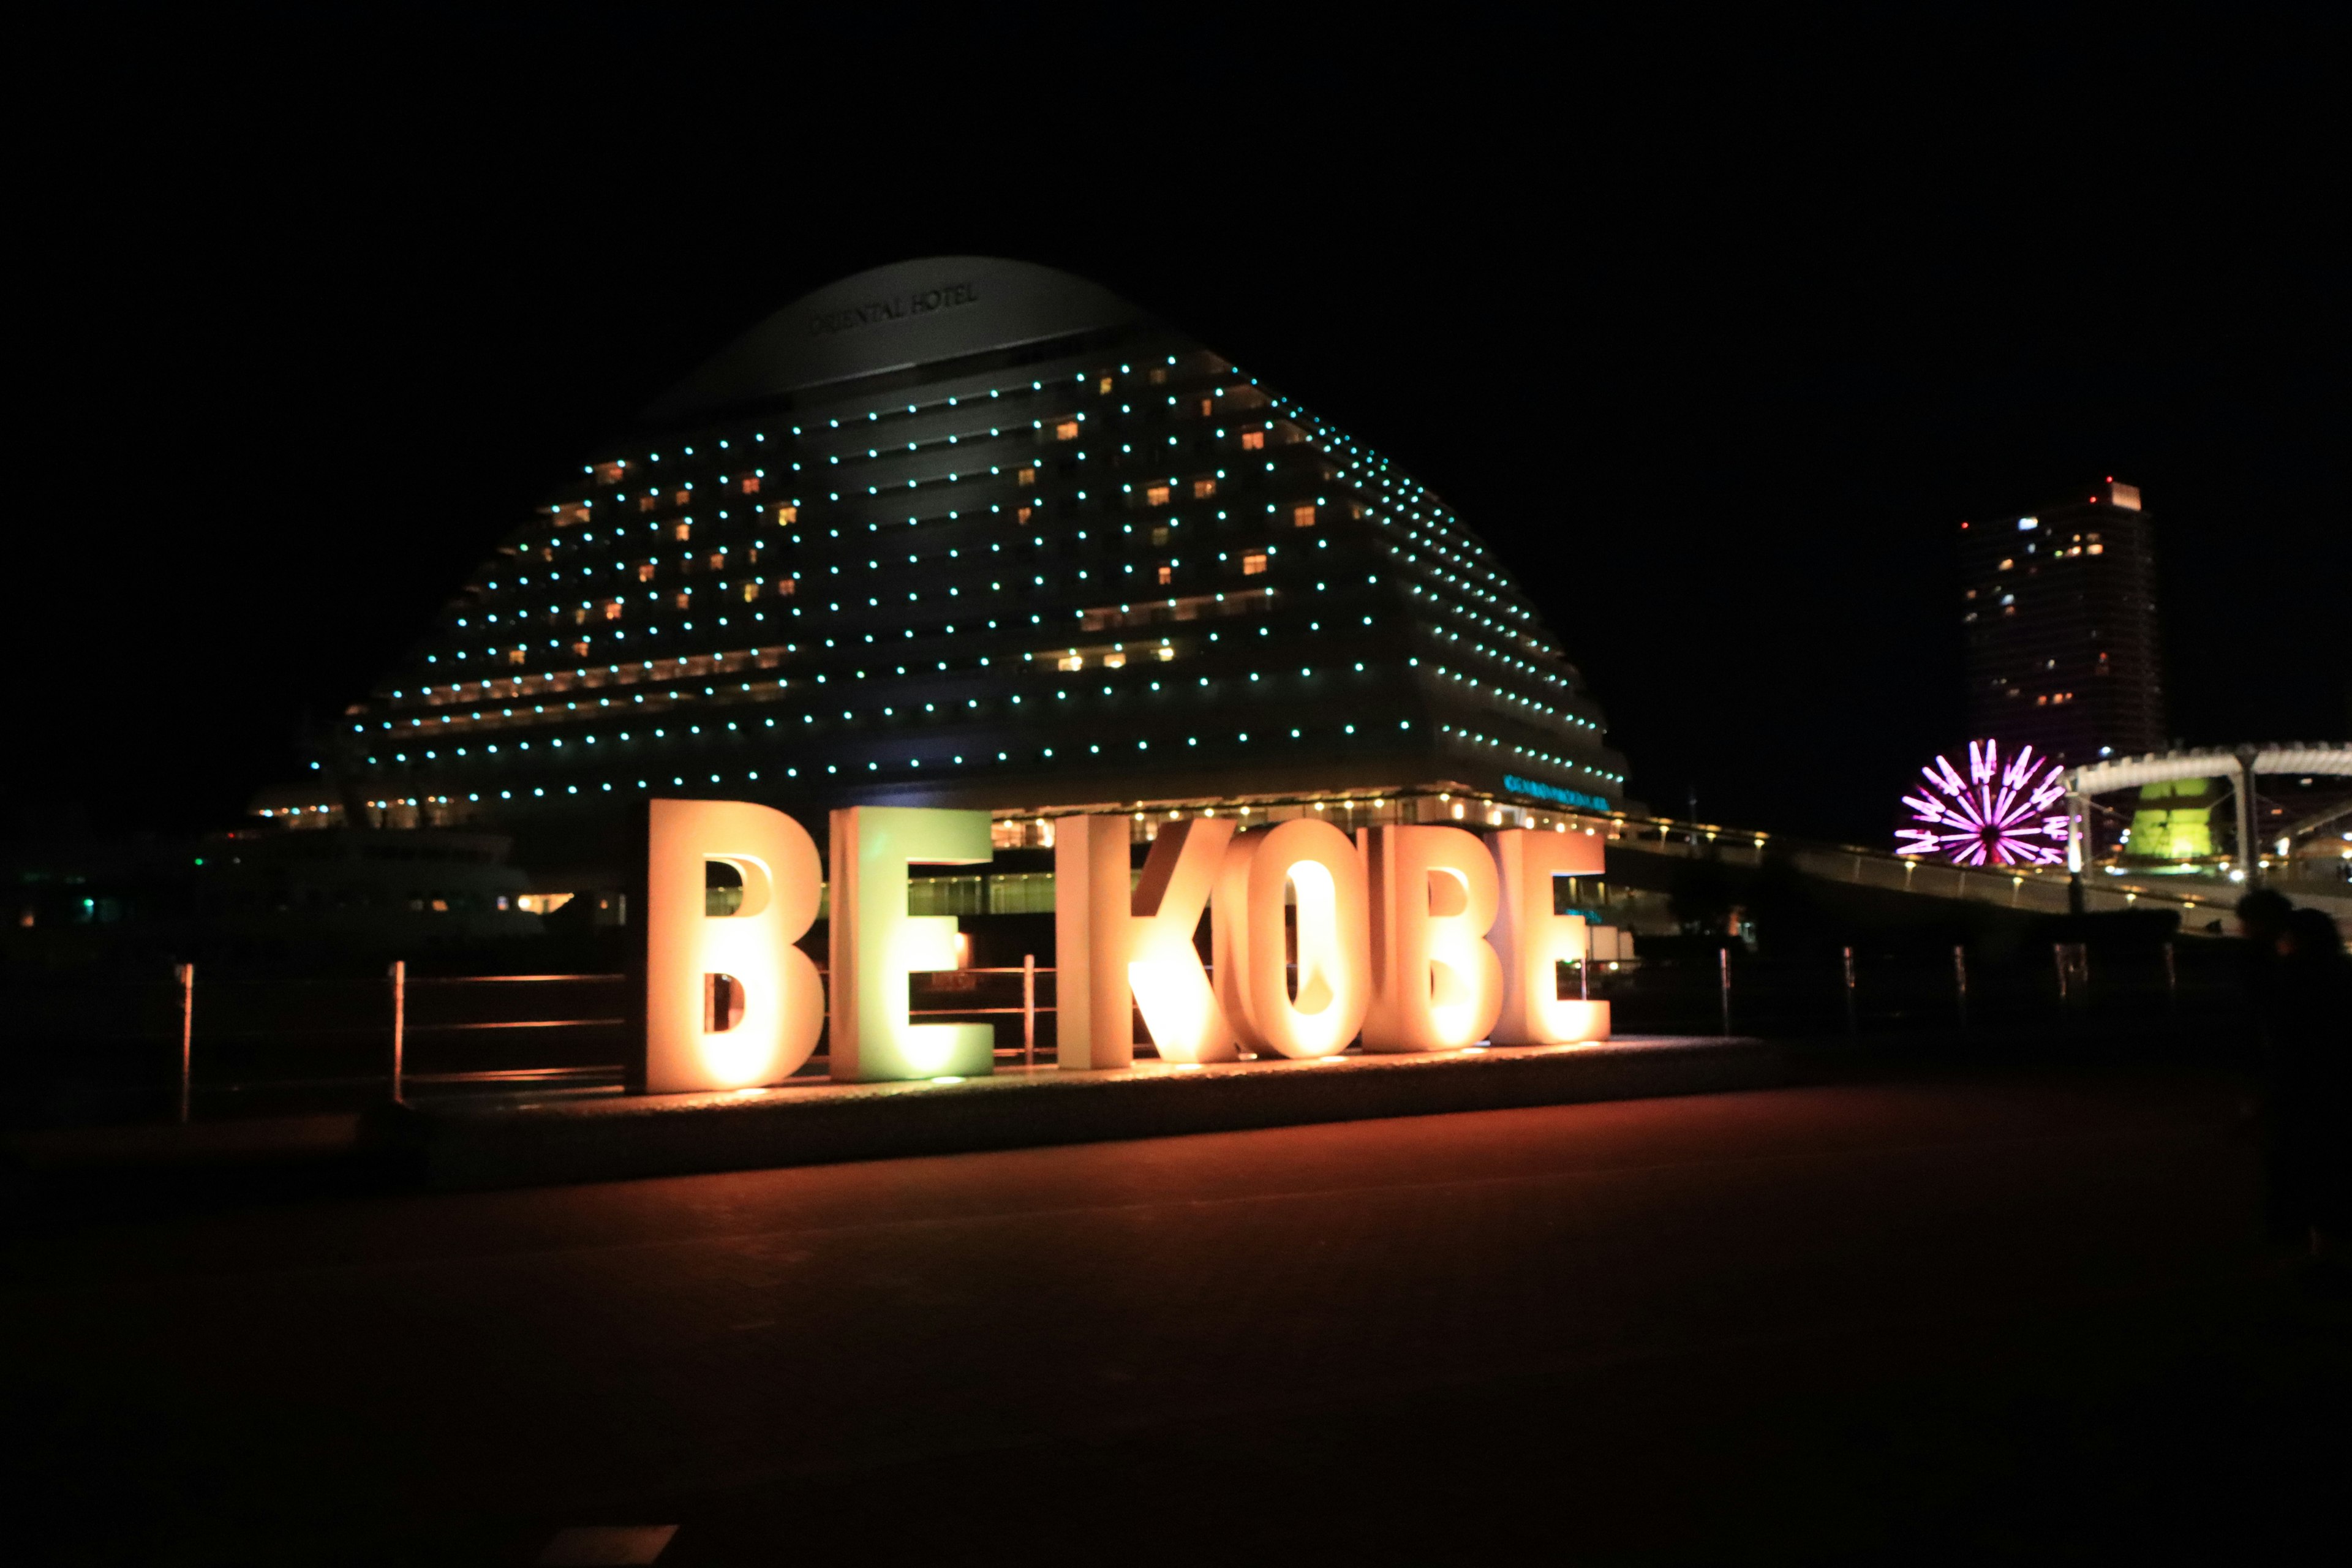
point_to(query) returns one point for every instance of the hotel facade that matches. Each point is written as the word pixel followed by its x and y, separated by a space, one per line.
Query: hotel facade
pixel 975 533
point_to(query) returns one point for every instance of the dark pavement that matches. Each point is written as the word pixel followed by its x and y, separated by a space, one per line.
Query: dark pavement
pixel 2002 1316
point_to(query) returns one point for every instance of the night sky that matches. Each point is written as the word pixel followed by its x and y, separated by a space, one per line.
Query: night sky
pixel 1716 335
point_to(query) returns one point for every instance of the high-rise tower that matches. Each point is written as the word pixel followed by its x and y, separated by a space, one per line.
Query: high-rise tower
pixel 2060 611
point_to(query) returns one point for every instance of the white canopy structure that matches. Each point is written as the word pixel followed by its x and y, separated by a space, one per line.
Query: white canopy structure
pixel 2239 765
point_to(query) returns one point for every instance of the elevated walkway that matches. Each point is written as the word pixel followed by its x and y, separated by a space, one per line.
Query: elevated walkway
pixel 2199 899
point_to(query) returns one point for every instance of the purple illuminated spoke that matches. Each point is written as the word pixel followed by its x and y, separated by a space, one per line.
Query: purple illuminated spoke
pixel 1991 817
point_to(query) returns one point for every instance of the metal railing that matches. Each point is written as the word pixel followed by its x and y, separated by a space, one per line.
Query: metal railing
pixel 345 1022
pixel 401 1028
pixel 1701 989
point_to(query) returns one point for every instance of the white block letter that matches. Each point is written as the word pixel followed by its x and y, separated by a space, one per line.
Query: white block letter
pixel 1534 942
pixel 877 944
pixel 1436 983
pixel 1108 943
pixel 774 1002
pixel 1321 1014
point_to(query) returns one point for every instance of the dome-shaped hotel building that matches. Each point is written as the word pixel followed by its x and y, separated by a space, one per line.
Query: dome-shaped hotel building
pixel 973 532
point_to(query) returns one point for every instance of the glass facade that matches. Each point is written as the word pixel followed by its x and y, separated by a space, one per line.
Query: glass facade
pixel 974 533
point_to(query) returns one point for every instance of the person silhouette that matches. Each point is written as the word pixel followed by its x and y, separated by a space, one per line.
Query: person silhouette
pixel 2307 1103
pixel 2263 917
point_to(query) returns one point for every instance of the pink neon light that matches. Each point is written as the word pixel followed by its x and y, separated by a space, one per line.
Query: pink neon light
pixel 1992 818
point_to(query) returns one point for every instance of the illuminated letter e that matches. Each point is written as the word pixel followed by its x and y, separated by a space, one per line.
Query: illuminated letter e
pixel 1534 942
pixel 877 944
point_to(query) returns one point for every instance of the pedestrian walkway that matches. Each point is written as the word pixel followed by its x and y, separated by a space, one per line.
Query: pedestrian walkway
pixel 2001 1313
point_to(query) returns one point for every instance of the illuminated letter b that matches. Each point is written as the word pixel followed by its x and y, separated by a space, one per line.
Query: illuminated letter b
pixel 730 1002
pixel 1436 983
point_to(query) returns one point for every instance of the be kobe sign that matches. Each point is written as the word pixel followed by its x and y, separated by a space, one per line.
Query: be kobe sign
pixel 1410 938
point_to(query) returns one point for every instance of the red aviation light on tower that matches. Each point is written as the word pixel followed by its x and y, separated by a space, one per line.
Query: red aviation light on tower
pixel 1997 815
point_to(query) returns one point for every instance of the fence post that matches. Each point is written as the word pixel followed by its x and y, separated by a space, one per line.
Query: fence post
pixel 1029 1012
pixel 1852 1023
pixel 399 1021
pixel 1960 980
pixel 1723 967
pixel 185 974
pixel 2074 960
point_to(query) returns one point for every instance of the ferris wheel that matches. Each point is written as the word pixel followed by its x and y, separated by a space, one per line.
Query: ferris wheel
pixel 1999 814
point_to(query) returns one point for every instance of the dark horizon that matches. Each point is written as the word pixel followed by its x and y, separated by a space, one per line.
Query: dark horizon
pixel 1715 364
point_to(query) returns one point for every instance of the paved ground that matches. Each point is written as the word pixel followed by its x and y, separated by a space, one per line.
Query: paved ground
pixel 1960 1318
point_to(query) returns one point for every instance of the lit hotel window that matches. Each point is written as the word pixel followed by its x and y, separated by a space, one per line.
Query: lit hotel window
pixel 612 609
pixel 685 530
pixel 751 486
pixel 2009 563
pixel 681 498
pixel 646 503
pixel 751 592
pixel 1114 661
pixel 1208 406
pixel 1303 516
pixel 1254 563
pixel 645 571
pixel 1068 430
pixel 1073 661
pixel 787 586
pixel 718 560
pixel 609 473
pixel 1103 385
pixel 1161 535
pixel 1165 652
pixel 1166 576
pixel 514 656
pixel 1021 515
pixel 1028 476
pixel 1253 441
pixel 1204 489
pixel 684 601
pixel 787 515
pixel 1157 495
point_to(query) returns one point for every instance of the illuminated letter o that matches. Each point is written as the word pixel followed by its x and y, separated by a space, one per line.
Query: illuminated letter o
pixel 1319 1014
